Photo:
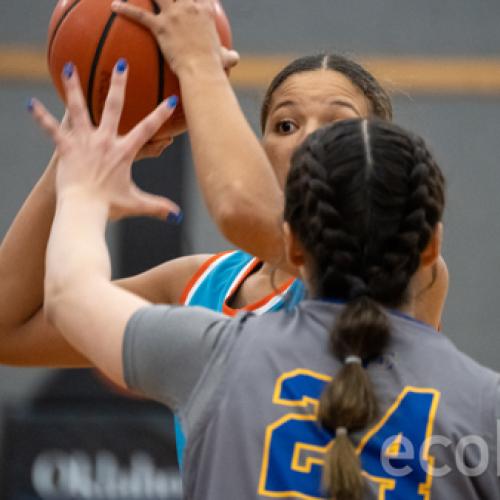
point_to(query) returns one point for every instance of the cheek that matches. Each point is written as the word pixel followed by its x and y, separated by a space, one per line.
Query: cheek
pixel 279 154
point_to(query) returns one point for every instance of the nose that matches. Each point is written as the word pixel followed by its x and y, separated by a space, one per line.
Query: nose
pixel 311 126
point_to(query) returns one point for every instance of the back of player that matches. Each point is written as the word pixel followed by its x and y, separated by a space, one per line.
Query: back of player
pixel 434 436
pixel 402 414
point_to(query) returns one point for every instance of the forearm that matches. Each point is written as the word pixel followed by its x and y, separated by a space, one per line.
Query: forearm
pixel 236 178
pixel 77 249
pixel 77 266
pixel 22 254
pixel 80 301
pixel 239 186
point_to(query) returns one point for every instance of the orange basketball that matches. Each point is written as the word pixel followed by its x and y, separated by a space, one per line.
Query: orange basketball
pixel 90 35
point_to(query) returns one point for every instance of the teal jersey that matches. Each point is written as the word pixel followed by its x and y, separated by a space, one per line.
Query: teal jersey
pixel 213 286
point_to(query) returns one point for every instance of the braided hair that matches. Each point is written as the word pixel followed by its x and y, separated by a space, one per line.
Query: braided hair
pixel 380 102
pixel 363 197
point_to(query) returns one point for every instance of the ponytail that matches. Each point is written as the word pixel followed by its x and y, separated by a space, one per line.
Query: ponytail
pixel 348 404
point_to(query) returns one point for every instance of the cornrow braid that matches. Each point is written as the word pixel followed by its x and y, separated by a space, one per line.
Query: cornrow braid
pixel 363 197
pixel 310 189
pixel 393 256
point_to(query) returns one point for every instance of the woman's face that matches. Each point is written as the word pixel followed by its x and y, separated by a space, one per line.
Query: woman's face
pixel 301 105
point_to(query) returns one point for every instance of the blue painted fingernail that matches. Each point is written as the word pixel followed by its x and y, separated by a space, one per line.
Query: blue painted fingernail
pixel 172 101
pixel 30 105
pixel 69 68
pixel 174 218
pixel 121 65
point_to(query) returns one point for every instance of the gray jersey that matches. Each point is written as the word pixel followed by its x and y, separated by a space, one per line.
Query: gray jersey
pixel 247 391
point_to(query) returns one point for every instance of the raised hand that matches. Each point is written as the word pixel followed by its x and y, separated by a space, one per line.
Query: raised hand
pixel 185 31
pixel 95 161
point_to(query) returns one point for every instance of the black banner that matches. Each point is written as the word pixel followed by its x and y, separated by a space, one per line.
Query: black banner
pixel 63 453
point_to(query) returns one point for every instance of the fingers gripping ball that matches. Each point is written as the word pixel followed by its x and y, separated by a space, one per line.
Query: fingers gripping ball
pixel 89 34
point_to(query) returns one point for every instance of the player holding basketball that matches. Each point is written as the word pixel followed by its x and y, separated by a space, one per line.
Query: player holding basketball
pixel 309 93
pixel 318 90
pixel 363 205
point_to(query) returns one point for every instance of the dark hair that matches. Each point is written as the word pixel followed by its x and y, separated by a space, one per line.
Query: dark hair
pixel 363 197
pixel 359 76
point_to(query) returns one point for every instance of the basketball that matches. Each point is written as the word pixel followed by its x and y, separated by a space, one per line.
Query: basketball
pixel 90 35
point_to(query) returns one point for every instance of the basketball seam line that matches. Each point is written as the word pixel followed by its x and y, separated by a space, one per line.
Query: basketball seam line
pixel 161 62
pixel 95 62
pixel 58 25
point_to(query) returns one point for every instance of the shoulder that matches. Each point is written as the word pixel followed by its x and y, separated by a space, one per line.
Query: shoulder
pixel 451 359
pixel 432 359
pixel 421 341
pixel 217 271
pixel 272 331
pixel 166 348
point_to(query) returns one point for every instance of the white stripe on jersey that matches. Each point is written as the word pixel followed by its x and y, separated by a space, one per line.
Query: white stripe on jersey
pixel 236 281
pixel 207 271
pixel 271 303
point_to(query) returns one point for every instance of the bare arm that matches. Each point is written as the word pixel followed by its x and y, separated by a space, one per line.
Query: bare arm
pixel 80 300
pixel 26 338
pixel 22 254
pixel 33 341
pixel 237 180
pixel 230 161
pixel 93 182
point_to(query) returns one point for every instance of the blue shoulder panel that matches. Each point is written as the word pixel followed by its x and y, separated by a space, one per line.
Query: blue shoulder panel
pixel 212 291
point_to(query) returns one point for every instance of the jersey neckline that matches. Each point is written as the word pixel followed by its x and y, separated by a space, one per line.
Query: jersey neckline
pixel 391 312
pixel 249 269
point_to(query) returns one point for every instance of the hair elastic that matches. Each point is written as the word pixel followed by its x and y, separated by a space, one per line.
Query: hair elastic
pixel 352 359
pixel 341 431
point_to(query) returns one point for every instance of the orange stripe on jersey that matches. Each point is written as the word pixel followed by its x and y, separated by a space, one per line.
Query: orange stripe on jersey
pixel 199 273
pixel 256 305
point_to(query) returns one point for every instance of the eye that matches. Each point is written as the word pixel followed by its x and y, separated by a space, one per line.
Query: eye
pixel 285 127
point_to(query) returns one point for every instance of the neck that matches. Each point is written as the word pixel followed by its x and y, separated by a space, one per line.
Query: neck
pixel 423 315
pixel 279 275
pixel 428 291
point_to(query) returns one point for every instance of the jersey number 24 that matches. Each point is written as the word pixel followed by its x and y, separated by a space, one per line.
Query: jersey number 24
pixel 394 453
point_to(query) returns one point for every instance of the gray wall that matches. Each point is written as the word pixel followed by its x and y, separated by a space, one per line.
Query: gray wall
pixel 449 27
pixel 462 130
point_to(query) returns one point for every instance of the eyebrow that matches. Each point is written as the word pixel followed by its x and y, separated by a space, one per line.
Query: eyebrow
pixel 345 104
pixel 334 102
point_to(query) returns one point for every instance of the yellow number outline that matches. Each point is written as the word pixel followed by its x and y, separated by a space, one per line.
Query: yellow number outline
pixel 389 484
pixel 384 484
pixel 305 401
